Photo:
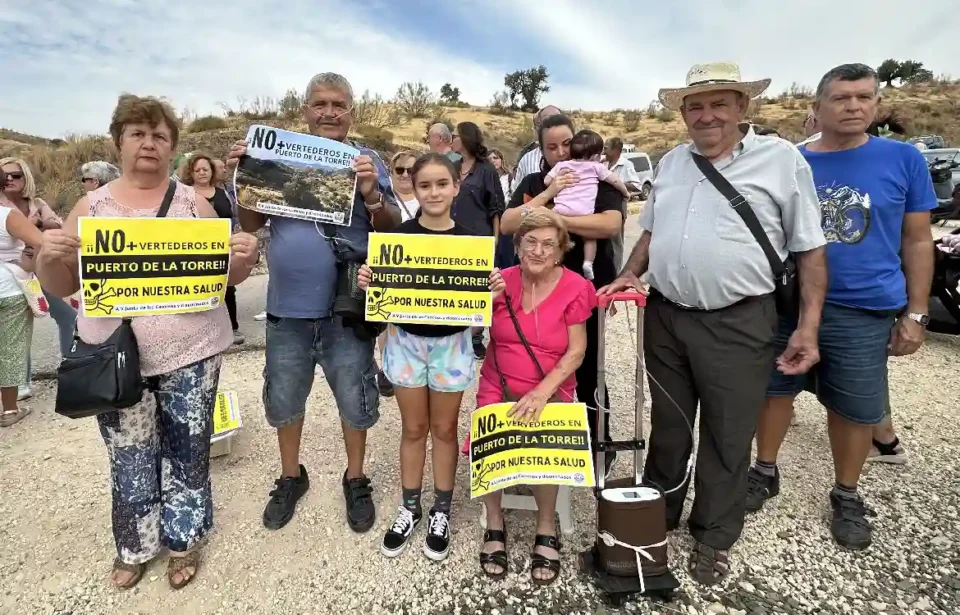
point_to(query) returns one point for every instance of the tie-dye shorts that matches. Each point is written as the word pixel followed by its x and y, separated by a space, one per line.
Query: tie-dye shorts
pixel 444 364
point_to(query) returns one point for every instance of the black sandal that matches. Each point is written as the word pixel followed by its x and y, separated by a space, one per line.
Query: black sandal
pixel 497 558
pixel 708 566
pixel 542 562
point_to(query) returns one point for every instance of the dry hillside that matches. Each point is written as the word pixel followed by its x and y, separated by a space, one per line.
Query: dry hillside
pixel 932 108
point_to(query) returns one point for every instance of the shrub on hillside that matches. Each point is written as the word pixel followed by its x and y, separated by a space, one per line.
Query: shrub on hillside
pixel 523 135
pixel 207 122
pixel 371 110
pixel 653 109
pixel 500 105
pixel 414 100
pixel 291 105
pixel 631 120
pixel 665 115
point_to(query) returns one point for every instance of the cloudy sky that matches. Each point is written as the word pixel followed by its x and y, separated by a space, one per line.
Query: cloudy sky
pixel 65 62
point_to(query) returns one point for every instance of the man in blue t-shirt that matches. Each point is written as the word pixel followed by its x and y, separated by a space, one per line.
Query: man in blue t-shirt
pixel 304 329
pixel 875 199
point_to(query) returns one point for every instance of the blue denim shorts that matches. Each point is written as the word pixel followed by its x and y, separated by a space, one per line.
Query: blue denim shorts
pixel 295 346
pixel 851 377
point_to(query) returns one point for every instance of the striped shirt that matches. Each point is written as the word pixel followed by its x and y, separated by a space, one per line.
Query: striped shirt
pixel 529 163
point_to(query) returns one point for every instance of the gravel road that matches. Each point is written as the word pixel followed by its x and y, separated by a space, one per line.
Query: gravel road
pixel 57 547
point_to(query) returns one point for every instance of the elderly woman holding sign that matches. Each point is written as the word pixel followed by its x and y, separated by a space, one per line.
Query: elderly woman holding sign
pixel 538 334
pixel 159 448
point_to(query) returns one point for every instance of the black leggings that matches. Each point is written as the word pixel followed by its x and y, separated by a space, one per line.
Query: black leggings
pixel 231 300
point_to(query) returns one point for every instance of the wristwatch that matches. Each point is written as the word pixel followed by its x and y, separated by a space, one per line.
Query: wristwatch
pixel 922 319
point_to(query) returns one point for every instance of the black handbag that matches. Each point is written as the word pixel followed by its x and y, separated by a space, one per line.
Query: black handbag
pixel 95 379
pixel 786 291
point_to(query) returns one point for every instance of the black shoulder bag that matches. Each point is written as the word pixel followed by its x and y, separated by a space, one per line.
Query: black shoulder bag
pixel 508 395
pixel 786 292
pixel 95 379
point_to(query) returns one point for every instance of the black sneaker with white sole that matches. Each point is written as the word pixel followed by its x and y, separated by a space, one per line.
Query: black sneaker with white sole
pixel 398 536
pixel 283 499
pixel 437 545
pixel 761 488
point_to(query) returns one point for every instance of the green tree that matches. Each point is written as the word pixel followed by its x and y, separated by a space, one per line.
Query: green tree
pixel 527 85
pixel 888 71
pixel 449 94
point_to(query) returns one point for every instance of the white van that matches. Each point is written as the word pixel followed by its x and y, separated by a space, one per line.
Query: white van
pixel 641 162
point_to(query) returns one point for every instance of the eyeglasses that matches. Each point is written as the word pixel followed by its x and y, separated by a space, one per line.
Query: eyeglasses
pixel 89 179
pixel 14 175
pixel 529 244
pixel 402 170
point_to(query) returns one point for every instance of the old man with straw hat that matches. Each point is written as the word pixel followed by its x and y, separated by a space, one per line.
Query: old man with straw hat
pixel 731 217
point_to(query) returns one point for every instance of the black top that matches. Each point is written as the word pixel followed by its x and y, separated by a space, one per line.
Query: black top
pixel 608 199
pixel 221 203
pixel 480 199
pixel 413 227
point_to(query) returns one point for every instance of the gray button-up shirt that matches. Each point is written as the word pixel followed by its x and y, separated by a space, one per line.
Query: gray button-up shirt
pixel 701 252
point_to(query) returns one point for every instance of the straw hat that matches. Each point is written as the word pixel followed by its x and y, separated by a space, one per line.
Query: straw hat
pixel 712 77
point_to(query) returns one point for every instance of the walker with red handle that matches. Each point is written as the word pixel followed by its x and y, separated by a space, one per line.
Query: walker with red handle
pixel 629 557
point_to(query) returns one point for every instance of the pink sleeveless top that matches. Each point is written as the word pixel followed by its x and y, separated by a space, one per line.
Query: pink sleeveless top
pixel 166 343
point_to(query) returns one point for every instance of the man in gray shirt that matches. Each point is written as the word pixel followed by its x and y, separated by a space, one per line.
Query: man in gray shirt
pixel 711 314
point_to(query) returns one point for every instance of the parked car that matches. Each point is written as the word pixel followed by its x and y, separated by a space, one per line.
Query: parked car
pixel 644 167
pixel 931 141
pixel 951 154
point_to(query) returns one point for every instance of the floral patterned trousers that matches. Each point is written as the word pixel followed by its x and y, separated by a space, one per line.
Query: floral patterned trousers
pixel 159 455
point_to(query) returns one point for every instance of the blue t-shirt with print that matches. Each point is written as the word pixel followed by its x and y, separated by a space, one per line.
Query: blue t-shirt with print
pixel 301 261
pixel 864 193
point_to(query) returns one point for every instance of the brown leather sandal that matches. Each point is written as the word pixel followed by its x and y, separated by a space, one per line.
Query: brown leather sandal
pixel 179 564
pixel 708 566
pixel 136 570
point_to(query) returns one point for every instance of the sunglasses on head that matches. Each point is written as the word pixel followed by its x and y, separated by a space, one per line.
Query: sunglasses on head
pixel 402 170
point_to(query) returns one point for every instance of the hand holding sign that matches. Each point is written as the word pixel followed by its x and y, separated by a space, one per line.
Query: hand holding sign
pixel 367 177
pixel 497 285
pixel 237 151
pixel 529 407
pixel 364 275
pixel 243 246
pixel 58 245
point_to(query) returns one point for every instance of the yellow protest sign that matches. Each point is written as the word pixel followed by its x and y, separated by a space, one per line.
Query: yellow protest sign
pixel 151 266
pixel 553 451
pixel 430 279
pixel 226 415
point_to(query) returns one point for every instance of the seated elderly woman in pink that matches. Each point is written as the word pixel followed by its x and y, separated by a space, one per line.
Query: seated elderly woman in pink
pixel 546 305
pixel 159 449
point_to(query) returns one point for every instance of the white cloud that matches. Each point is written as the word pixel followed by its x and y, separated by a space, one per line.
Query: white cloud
pixel 80 62
pixel 71 60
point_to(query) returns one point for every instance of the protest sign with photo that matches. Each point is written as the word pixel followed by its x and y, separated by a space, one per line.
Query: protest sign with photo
pixel 294 175
pixel 226 415
pixel 152 266
pixel 552 451
pixel 430 279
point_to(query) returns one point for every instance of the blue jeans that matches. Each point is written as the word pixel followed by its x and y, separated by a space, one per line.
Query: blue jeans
pixel 66 319
pixel 851 377
pixel 159 455
pixel 295 346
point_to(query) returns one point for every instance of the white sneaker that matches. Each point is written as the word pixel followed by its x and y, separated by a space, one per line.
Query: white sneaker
pixel 261 316
pixel 24 393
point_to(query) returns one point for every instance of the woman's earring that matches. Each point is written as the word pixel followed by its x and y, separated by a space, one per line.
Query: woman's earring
pixel 556 262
